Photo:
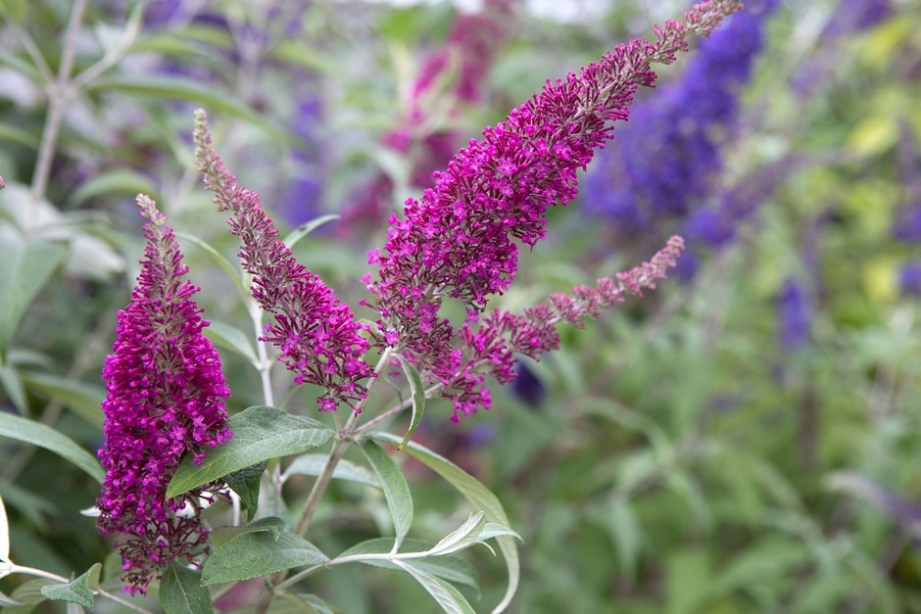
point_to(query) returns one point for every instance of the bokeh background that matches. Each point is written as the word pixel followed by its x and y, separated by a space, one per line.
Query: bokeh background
pixel 746 438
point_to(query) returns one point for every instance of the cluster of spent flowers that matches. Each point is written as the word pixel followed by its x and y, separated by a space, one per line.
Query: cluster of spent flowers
pixel 459 242
pixel 165 400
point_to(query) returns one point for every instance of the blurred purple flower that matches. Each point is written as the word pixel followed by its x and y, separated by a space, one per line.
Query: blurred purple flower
pixel 663 176
pixel 907 224
pixel 910 278
pixel 300 201
pixel 856 15
pixel 165 401
pixel 905 512
pixel 528 387
pixel 795 314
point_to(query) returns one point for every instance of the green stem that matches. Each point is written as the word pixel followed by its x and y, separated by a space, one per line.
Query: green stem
pixel 59 94
pixel 342 442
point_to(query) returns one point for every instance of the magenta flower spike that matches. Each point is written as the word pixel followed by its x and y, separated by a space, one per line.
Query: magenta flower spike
pixel 165 401
pixel 490 348
pixel 319 338
pixel 459 240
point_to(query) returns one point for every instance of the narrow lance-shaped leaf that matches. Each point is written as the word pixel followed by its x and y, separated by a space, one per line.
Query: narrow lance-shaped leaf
pixel 304 230
pixel 27 265
pixel 232 338
pixel 418 395
pixel 462 537
pixel 259 433
pixel 313 464
pixel 254 555
pixel 232 272
pixel 46 437
pixel 451 568
pixel 478 495
pixel 395 487
pixel 270 524
pixel 181 591
pixel 4 533
pixel 448 597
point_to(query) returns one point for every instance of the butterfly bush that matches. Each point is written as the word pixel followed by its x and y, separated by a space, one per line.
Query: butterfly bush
pixel 318 336
pixel 165 401
pixel 459 241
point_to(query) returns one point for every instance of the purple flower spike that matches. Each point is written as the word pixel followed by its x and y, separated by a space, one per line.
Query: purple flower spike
pixel 490 348
pixel 165 400
pixel 459 241
pixel 319 338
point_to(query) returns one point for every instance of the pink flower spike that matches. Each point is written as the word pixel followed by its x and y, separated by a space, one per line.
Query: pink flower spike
pixel 490 348
pixel 461 239
pixel 165 400
pixel 319 338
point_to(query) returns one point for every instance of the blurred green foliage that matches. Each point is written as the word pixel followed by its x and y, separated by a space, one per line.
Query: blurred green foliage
pixel 681 460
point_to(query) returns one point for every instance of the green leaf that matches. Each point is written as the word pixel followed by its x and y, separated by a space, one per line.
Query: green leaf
pixel 168 43
pixel 20 65
pixel 84 399
pixel 399 499
pixel 117 182
pixel 493 530
pixel 181 591
pixel 245 483
pixel 463 537
pixel 79 590
pixel 232 272
pixel 302 231
pixel 448 597
pixel 233 339
pixel 15 10
pixel 29 594
pixel 313 464
pixel 254 555
pixel 319 606
pixel 6 600
pixel 270 524
pixel 18 135
pixel 12 384
pixel 173 88
pixel 27 266
pixel 259 433
pixel 626 533
pixel 418 392
pixel 43 436
pixel 4 534
pixel 451 568
pixel 479 497
pixel 302 53
pixel 32 506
